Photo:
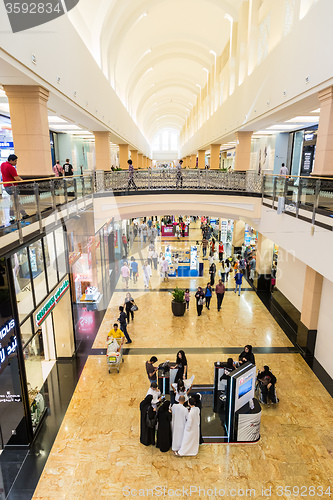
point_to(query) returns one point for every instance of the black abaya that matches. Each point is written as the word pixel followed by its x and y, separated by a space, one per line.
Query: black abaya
pixel 164 439
pixel 147 434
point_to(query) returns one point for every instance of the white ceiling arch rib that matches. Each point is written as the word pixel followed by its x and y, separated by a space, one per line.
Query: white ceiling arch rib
pixel 163 112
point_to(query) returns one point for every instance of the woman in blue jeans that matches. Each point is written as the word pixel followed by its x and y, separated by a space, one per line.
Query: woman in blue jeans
pixel 238 279
pixel 208 294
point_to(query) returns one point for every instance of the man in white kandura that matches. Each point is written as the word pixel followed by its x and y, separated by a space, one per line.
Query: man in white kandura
pixel 179 417
pixel 190 443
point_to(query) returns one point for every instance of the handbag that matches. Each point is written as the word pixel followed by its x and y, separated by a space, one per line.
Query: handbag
pixel 151 422
pixel 201 301
pixel 134 308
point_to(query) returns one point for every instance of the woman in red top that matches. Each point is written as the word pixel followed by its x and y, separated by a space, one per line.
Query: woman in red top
pixel 221 250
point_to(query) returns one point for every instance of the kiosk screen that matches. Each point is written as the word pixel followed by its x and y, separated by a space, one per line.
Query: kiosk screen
pixel 245 388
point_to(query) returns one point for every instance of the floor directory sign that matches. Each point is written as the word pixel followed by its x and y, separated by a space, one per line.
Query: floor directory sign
pixel 194 258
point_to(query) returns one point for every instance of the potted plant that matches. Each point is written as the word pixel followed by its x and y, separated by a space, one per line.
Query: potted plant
pixel 178 303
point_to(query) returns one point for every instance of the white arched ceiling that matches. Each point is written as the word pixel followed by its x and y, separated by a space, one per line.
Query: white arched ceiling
pixel 154 52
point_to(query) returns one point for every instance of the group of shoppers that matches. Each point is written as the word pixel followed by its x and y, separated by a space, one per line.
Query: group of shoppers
pixel 178 426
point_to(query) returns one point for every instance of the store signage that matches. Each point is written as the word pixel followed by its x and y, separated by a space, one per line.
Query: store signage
pixel 308 137
pixel 10 325
pixel 7 351
pixel 6 144
pixel 51 303
pixel 10 398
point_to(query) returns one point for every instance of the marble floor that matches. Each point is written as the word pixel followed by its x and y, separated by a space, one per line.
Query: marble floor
pixel 97 453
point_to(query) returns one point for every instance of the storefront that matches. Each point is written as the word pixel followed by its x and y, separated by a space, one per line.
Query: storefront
pixel 36 330
pixel 303 151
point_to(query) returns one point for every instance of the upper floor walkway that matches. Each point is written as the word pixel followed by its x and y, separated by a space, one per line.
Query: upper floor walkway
pixel 25 207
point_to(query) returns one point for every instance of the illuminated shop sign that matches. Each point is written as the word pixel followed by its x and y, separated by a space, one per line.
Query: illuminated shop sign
pixel 10 325
pixel 7 351
pixel 5 144
pixel 51 303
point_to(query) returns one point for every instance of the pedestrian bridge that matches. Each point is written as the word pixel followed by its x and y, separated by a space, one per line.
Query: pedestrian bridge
pixel 233 195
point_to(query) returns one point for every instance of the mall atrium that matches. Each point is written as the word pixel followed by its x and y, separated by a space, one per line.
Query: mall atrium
pixel 148 146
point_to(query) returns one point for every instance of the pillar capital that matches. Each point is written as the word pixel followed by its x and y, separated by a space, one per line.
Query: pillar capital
pixel 325 95
pixel 30 126
pixel 103 150
pixel 243 151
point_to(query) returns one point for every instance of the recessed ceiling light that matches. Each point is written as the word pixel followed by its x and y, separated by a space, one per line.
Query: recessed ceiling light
pixel 66 127
pixel 315 111
pixel 281 127
pixel 304 119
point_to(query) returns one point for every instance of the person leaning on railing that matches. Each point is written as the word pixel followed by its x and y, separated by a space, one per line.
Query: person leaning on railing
pixel 9 176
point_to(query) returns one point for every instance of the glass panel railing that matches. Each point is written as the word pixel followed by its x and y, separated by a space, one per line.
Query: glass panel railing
pixel 45 195
pixel 268 186
pixel 307 194
pixel 325 197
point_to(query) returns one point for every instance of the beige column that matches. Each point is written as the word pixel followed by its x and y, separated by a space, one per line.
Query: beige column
pixel 307 330
pixel 30 126
pixel 238 233
pixel 264 255
pixel 243 151
pixel 215 156
pixel 193 161
pixel 140 160
pixel 103 150
pixel 144 164
pixel 201 158
pixel 123 156
pixel 134 157
pixel 323 165
pixel 311 298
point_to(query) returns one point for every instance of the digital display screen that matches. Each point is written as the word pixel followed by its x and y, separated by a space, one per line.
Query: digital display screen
pixel 245 388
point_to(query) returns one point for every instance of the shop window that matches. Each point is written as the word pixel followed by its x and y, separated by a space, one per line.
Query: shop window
pixel 22 283
pixel 61 256
pixel 34 359
pixel 50 260
pixel 37 270
pixel 27 331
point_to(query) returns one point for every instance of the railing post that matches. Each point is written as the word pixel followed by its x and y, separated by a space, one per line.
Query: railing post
pixel 16 204
pixel 299 192
pixel 39 214
pixel 66 197
pixel 54 204
pixel 274 191
pixel 316 201
pixel 75 196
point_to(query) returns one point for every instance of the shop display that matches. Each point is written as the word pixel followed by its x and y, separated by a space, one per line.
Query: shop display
pixel 92 293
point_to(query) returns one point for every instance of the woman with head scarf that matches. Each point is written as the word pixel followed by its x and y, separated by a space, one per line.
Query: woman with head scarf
pixel 247 355
pixel 164 438
pixel 148 415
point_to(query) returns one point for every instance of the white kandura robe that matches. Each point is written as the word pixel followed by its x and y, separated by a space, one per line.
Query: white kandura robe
pixel 179 417
pixel 190 443
pixel 146 274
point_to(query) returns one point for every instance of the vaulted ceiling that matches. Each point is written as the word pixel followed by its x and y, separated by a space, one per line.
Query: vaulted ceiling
pixel 154 52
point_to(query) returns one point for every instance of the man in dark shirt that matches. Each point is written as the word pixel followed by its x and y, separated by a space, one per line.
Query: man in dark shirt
pixel 123 324
pixel 68 168
pixel 219 289
pixel 151 369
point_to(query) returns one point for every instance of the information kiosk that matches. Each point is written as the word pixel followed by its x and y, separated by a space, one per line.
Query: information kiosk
pixel 234 402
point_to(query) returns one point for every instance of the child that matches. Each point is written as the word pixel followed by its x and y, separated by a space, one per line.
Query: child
pixel 187 298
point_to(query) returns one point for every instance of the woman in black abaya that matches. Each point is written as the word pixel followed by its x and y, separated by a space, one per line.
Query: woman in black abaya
pixel 181 365
pixel 147 434
pixel 164 439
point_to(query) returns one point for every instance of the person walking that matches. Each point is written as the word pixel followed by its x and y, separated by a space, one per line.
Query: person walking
pixel 67 168
pixel 164 416
pixel 130 178
pixel 128 304
pixel 221 251
pixel 155 258
pixel 222 272
pixel 134 269
pixel 9 176
pixel 191 438
pixel 238 281
pixel 164 269
pixel 124 240
pixel 181 364
pixel 204 246
pixel 179 175
pixel 57 169
pixel 200 298
pixel 252 266
pixel 176 264
pixel 123 324
pixel 125 274
pixel 145 232
pixel 187 298
pixel 150 255
pixel 227 268
pixel 283 170
pixel 179 418
pixel 212 272
pixel 219 290
pixel 146 274
pixel 151 369
pixel 208 295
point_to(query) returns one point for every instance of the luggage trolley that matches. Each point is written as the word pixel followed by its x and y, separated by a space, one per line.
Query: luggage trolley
pixel 114 359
